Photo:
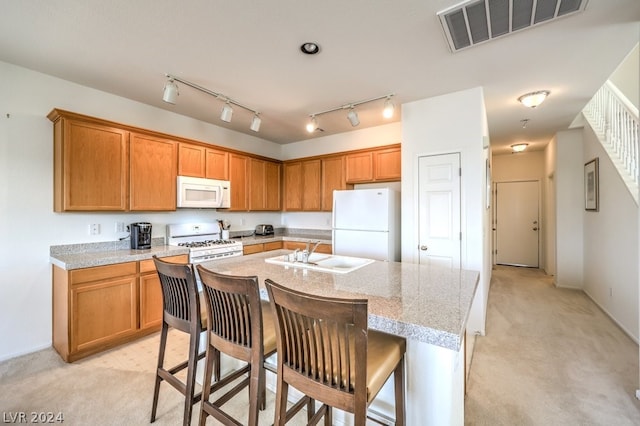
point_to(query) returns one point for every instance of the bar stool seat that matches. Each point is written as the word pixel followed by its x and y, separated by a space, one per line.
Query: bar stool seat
pixel 241 326
pixel 327 352
pixel 183 311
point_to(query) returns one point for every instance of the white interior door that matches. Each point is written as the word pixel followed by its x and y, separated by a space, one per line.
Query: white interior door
pixel 439 210
pixel 517 223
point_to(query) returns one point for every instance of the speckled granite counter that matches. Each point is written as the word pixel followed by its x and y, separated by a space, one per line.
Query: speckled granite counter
pixel 425 304
pixel 302 235
pixel 76 256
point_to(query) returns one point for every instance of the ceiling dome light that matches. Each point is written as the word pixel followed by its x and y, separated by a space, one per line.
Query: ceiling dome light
pixel 352 115
pixel 227 113
pixel 533 99
pixel 519 147
pixel 312 125
pixel 171 93
pixel 310 48
pixel 255 123
pixel 387 112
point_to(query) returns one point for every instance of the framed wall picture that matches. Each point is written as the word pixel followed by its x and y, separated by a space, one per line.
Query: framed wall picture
pixel 591 184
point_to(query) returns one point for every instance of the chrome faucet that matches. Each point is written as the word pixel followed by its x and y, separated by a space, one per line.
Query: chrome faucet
pixel 309 251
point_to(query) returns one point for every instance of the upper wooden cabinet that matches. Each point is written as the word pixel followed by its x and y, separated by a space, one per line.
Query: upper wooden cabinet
pixel 90 165
pixel 302 185
pixel 264 185
pixel 238 168
pixel 377 165
pixel 153 173
pixel 200 161
pixel 332 178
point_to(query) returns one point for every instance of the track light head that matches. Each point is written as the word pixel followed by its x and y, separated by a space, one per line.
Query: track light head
pixel 227 113
pixel 171 93
pixel 387 112
pixel 352 115
pixel 312 125
pixel 255 123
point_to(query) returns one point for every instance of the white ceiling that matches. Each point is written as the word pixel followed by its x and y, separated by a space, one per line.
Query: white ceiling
pixel 249 51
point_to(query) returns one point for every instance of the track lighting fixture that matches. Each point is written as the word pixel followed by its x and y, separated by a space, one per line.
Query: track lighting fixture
pixel 352 115
pixel 255 123
pixel 171 93
pixel 387 112
pixel 312 125
pixel 227 113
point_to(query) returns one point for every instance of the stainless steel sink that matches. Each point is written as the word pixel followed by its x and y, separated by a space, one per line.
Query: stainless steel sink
pixel 324 263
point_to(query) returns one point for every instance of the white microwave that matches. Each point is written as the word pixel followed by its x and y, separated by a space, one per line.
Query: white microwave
pixel 202 193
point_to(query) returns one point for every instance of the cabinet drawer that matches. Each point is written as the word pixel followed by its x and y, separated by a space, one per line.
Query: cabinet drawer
pixel 253 248
pixel 274 245
pixel 147 265
pixel 102 272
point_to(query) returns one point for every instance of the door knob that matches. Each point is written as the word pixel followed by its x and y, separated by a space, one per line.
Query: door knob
pixel 535 229
pixel 424 248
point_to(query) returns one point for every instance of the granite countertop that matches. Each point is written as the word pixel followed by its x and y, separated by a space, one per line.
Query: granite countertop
pixel 86 259
pixel 422 303
pixel 76 256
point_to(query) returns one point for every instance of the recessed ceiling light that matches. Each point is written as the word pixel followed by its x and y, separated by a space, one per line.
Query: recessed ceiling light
pixel 310 48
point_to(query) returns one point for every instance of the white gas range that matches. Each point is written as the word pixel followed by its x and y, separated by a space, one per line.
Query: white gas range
pixel 203 241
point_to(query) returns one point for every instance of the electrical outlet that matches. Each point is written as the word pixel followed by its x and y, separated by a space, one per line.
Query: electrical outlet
pixel 242 222
pixel 120 227
pixel 94 229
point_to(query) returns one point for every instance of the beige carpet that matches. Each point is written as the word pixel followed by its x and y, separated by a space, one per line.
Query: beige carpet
pixel 550 357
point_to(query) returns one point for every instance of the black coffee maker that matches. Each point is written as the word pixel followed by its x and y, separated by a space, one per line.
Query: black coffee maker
pixel 140 235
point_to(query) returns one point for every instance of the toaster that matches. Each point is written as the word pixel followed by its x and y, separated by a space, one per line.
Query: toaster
pixel 264 230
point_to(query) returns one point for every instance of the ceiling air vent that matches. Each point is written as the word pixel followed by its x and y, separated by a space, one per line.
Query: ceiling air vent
pixel 477 21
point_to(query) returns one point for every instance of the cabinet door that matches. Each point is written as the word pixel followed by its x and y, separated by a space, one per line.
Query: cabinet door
pixel 272 184
pixel 332 179
pixel 191 160
pixel 103 312
pixel 274 245
pixel 90 167
pixel 359 167
pixel 153 173
pixel 217 164
pixel 256 184
pixel 293 186
pixel 150 301
pixel 150 293
pixel 238 168
pixel 311 172
pixel 387 164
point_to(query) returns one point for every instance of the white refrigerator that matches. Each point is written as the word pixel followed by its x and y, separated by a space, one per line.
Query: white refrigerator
pixel 366 223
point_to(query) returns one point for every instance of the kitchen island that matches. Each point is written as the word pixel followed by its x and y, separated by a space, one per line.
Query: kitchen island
pixel 427 305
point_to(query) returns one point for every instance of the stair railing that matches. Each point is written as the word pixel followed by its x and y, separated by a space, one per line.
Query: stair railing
pixel 615 119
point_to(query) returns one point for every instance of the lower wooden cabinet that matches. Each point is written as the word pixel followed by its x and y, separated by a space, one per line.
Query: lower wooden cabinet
pixel 259 248
pixel 322 248
pixel 101 307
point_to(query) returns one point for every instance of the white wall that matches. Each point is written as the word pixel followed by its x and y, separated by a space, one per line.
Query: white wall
pixel 569 200
pixel 611 243
pixel 525 166
pixel 550 229
pixel 432 126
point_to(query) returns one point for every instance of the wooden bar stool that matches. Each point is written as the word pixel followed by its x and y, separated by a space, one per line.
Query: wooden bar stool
pixel 182 311
pixel 241 326
pixel 326 351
